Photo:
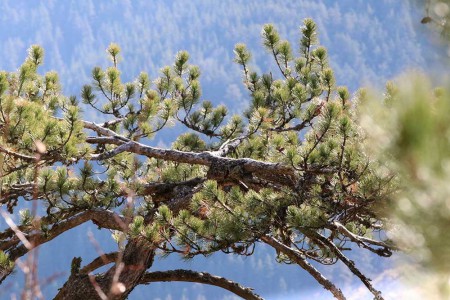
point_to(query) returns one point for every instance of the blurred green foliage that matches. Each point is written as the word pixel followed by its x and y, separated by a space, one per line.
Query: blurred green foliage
pixel 410 131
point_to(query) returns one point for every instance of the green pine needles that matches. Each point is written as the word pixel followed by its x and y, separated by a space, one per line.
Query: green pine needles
pixel 290 171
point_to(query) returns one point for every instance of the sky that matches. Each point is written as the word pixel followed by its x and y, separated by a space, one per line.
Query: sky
pixel 368 41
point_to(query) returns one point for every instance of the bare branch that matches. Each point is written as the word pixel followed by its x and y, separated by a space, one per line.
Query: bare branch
pixel 204 158
pixel 266 170
pixel 230 145
pixel 99 262
pixel 349 263
pixel 200 277
pixel 297 127
pixel 102 218
pixel 298 258
pixel 102 130
pixel 363 241
pixel 116 151
pixel 17 155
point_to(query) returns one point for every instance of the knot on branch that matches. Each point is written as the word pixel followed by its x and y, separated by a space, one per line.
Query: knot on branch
pixel 229 173
pixel 225 170
pixel 75 266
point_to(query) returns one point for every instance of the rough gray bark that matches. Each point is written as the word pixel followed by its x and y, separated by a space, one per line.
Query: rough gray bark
pixel 137 258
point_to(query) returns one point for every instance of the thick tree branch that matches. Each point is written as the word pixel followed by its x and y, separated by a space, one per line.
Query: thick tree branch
pixel 205 158
pixel 104 140
pixel 263 169
pixel 102 218
pixel 298 258
pixel 200 277
pixel 100 261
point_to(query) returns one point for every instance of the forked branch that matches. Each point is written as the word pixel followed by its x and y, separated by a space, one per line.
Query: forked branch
pixel 298 258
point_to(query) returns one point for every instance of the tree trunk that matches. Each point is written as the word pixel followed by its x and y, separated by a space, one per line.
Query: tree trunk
pixel 137 258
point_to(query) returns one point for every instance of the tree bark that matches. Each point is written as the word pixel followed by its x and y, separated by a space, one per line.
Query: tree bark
pixel 200 277
pixel 137 258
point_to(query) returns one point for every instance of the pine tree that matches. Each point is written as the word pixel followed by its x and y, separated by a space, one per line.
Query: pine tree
pixel 290 172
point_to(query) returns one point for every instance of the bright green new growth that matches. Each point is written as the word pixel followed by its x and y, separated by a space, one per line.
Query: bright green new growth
pixel 5 262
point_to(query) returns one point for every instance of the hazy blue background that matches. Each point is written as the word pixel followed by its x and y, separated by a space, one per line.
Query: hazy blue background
pixel 368 42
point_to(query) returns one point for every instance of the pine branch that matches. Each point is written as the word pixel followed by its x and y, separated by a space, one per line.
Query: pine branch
pixel 17 155
pixel 349 263
pixel 298 258
pixel 104 140
pixel 297 127
pixel 200 277
pixel 102 218
pixel 363 241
